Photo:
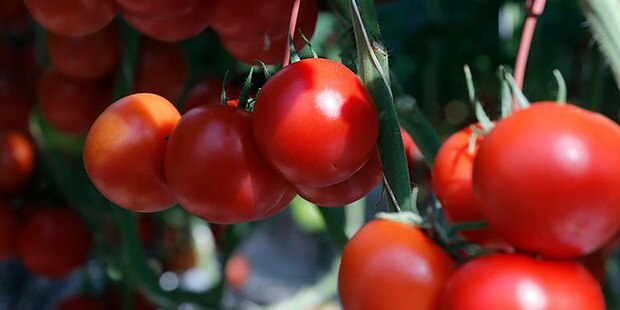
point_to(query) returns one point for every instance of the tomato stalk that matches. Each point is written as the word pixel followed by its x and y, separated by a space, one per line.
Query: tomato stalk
pixel 291 32
pixel 534 9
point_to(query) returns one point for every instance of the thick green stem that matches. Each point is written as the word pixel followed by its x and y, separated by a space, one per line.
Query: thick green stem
pixel 604 19
pixel 374 71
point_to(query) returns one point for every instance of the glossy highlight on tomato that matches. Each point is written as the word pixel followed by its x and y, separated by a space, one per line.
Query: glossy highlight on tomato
pixel 72 18
pixel 518 282
pixel 124 152
pixel 54 242
pixel 315 122
pixel 216 170
pixel 390 265
pixel 546 179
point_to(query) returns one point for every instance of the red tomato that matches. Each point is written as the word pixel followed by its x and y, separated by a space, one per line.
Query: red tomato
pixel 9 229
pixel 54 242
pixel 70 105
pixel 216 171
pixel 172 28
pixel 412 151
pixel 72 18
pixel 208 91
pixel 86 58
pixel 237 271
pixel 546 179
pixel 315 122
pixel 350 190
pixel 162 70
pixel 452 183
pixel 513 282
pixel 13 16
pixel 252 30
pixel 15 106
pixel 16 160
pixel 159 7
pixel 82 303
pixel 124 152
pixel 390 265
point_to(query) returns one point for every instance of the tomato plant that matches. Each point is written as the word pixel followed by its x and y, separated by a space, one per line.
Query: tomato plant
pixel 17 160
pixel 73 18
pixel 216 170
pixel 93 56
pixel 513 281
pixel 71 105
pixel 391 265
pixel 162 69
pixel 315 123
pixel 54 242
pixel 545 179
pixel 124 152
pixel 9 229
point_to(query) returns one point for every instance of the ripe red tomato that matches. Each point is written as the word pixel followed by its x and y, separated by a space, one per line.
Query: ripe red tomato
pixel 158 8
pixel 519 282
pixel 172 28
pixel 350 190
pixel 15 106
pixel 216 170
pixel 16 160
pixel 54 242
pixel 208 91
pixel 86 58
pixel 452 183
pixel 545 179
pixel 390 265
pixel 237 271
pixel 315 122
pixel 124 152
pixel 9 229
pixel 162 70
pixel 252 30
pixel 72 18
pixel 83 302
pixel 71 105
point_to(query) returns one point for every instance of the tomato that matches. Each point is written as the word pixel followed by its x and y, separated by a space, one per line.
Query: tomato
pixel 17 158
pixel 512 282
pixel 252 30
pixel 350 190
pixel 162 70
pixel 545 179
pixel 17 62
pixel 72 18
pixel 124 152
pixel 172 28
pixel 158 7
pixel 54 242
pixel 216 170
pixel 412 151
pixel 237 271
pixel 15 106
pixel 208 91
pixel 82 302
pixel 13 16
pixel 86 58
pixel 452 182
pixel 70 105
pixel 315 122
pixel 391 265
pixel 9 229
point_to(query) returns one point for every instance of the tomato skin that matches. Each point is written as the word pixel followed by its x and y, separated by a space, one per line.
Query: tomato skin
pixel 172 28
pixel 9 230
pixel 350 190
pixel 162 70
pixel 83 302
pixel 54 242
pixel 545 179
pixel 72 18
pixel 251 49
pixel 216 170
pixel 15 106
pixel 71 105
pixel 17 157
pixel 514 282
pixel 124 152
pixel 315 122
pixel 402 268
pixel 158 7
pixel 86 58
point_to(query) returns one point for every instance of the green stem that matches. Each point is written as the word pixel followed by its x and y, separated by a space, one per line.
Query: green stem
pixel 335 222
